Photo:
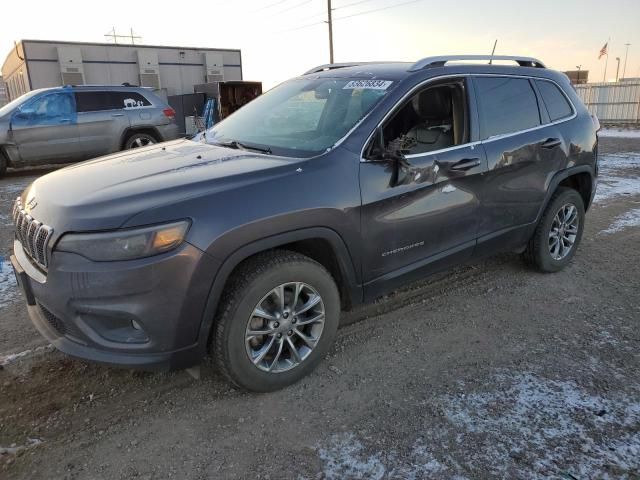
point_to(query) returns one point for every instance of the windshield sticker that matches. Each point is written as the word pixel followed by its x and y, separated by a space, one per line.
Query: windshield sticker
pixel 370 84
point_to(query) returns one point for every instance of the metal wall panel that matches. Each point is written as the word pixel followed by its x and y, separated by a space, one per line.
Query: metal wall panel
pixel 612 102
pixel 180 68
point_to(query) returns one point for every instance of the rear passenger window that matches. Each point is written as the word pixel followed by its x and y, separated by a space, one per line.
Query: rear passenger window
pixel 99 101
pixel 557 104
pixel 94 101
pixel 507 105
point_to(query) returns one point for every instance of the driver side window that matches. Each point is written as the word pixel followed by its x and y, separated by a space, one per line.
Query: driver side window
pixel 433 119
pixel 49 107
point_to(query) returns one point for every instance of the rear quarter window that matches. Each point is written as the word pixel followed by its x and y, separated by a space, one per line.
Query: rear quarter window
pixel 556 102
pixel 507 105
pixel 129 100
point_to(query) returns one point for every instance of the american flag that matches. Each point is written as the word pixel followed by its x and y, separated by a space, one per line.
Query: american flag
pixel 603 51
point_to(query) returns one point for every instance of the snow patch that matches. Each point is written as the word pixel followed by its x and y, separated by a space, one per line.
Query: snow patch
pixel 15 188
pixel 15 449
pixel 550 427
pixel 619 133
pixel 13 357
pixel 619 176
pixel 626 220
pixel 345 457
pixel 8 286
pixel 523 427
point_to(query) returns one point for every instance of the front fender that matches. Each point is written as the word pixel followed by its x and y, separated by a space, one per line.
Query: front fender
pixel 349 272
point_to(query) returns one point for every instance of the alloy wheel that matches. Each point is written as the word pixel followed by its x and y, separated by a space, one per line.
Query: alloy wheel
pixel 142 142
pixel 564 230
pixel 285 327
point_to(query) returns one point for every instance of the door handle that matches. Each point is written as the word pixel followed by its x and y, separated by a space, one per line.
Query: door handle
pixel 465 164
pixel 551 143
pixel 65 120
pixel 118 115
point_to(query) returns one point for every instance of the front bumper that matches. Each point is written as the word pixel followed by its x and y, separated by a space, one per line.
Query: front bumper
pixel 144 313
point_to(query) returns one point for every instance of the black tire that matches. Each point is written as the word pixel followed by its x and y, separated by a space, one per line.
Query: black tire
pixel 138 140
pixel 248 286
pixel 3 164
pixel 537 253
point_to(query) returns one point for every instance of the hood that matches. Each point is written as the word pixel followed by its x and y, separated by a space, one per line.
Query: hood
pixel 103 193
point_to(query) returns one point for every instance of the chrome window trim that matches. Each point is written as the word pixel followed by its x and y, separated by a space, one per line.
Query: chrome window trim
pixel 470 145
pixel 478 142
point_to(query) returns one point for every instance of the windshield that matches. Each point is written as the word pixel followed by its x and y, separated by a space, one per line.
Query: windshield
pixel 18 101
pixel 301 117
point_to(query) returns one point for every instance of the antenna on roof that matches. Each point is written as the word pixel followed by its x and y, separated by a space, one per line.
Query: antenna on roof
pixel 493 51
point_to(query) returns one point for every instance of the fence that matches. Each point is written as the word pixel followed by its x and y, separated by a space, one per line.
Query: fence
pixel 612 103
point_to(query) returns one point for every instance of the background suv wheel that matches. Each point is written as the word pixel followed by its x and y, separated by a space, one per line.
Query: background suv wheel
pixel 137 140
pixel 558 233
pixel 277 320
pixel 3 165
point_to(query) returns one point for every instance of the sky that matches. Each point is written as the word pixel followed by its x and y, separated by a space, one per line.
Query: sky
pixel 283 38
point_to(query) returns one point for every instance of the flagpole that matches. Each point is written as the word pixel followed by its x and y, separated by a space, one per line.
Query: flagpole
pixel 606 61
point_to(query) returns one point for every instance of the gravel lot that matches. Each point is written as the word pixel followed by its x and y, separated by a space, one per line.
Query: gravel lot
pixel 488 371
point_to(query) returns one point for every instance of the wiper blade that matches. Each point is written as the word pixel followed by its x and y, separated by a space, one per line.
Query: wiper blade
pixel 243 146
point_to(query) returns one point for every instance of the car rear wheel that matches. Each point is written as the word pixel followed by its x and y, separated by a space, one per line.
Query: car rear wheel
pixel 558 233
pixel 278 318
pixel 138 140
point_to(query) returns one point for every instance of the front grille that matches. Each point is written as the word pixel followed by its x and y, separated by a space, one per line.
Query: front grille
pixel 32 234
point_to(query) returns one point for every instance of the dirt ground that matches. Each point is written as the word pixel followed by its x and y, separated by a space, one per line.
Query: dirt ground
pixel 487 371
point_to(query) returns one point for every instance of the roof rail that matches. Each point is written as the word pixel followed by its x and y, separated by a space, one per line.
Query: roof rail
pixel 442 60
pixel 333 66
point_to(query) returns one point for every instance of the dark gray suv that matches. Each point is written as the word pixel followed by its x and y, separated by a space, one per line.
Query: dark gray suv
pixel 328 191
pixel 70 124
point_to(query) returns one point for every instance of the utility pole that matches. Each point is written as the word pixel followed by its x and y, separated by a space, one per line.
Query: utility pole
pixel 579 67
pixel 617 68
pixel 626 54
pixel 330 22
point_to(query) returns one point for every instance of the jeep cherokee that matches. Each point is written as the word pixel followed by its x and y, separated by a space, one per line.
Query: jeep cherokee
pixel 328 191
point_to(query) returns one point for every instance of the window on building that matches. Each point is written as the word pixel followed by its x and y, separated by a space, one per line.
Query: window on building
pixel 507 105
pixel 557 104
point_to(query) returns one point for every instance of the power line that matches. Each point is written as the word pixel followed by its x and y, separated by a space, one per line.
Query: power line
pixel 352 4
pixel 300 27
pixel 378 9
pixel 324 14
pixel 264 7
pixel 291 8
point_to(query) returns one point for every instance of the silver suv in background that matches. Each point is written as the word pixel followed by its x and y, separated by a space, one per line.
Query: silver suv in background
pixel 74 123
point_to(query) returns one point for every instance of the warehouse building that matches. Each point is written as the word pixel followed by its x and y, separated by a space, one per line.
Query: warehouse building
pixel 33 64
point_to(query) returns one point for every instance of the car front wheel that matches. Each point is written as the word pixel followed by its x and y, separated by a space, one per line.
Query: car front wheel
pixel 277 320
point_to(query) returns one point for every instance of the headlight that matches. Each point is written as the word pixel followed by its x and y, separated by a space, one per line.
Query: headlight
pixel 125 244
